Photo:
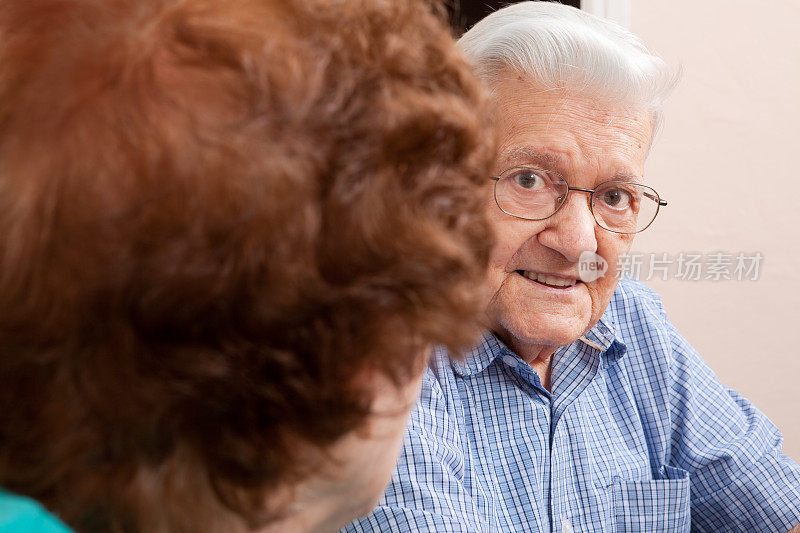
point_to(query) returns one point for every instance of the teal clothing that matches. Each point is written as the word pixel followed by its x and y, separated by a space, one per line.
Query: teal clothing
pixel 23 515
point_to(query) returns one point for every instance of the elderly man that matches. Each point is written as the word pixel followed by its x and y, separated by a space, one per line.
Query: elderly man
pixel 582 409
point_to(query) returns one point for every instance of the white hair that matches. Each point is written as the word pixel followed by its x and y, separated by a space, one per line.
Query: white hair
pixel 557 46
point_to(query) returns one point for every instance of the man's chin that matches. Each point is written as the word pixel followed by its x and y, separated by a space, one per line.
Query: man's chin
pixel 540 331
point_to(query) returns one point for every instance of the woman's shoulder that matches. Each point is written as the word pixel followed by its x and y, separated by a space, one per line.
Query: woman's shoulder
pixel 18 514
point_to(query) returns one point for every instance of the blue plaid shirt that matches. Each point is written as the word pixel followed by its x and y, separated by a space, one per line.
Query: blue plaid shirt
pixel 637 434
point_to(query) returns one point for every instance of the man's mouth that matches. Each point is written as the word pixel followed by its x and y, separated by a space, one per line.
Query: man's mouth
pixel 548 280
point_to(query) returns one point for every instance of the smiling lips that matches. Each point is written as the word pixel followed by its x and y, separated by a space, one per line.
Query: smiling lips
pixel 548 280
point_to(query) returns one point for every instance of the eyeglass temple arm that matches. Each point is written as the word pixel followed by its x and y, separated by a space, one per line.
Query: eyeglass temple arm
pixel 661 202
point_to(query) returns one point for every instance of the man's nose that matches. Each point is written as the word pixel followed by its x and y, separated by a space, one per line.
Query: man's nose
pixel 572 230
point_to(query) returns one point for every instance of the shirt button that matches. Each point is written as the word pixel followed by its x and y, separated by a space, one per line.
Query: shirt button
pixel 510 361
pixel 566 525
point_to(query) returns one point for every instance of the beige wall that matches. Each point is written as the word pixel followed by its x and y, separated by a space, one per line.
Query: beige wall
pixel 727 162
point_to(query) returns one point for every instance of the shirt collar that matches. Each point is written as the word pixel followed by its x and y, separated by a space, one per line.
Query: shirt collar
pixel 480 356
pixel 602 337
pixel 603 334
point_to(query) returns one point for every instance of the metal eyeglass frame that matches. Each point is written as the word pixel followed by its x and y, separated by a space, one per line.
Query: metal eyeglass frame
pixel 657 198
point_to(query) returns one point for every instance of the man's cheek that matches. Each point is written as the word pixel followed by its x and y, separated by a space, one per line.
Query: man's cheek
pixel 613 251
pixel 495 279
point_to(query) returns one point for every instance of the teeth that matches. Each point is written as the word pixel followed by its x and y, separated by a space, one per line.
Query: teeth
pixel 549 280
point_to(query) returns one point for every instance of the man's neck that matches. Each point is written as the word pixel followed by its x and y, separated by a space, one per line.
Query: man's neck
pixel 539 357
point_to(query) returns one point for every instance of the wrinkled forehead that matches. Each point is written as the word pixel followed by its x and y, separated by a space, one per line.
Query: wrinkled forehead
pixel 560 129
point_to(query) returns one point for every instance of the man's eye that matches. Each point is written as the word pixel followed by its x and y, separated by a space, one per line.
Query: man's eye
pixel 617 198
pixel 528 179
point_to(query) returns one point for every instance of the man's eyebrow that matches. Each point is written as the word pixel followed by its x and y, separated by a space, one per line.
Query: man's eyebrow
pixel 529 155
pixel 626 176
pixel 550 160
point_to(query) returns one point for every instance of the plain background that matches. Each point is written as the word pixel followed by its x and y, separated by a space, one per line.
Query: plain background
pixel 727 160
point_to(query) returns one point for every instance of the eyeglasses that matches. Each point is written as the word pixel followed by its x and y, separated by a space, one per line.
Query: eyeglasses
pixel 535 194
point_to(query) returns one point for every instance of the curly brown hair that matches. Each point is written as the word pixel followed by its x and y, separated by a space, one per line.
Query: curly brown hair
pixel 213 215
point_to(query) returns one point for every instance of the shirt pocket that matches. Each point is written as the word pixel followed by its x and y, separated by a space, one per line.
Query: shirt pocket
pixel 661 505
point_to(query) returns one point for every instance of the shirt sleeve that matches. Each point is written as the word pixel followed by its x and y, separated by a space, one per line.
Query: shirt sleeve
pixel 741 480
pixel 428 492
